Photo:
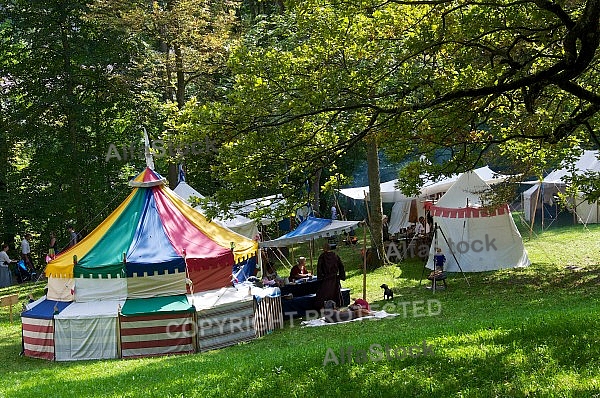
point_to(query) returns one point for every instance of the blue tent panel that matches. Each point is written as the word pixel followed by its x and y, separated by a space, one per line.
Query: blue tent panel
pixel 150 249
pixel 309 226
pixel 46 309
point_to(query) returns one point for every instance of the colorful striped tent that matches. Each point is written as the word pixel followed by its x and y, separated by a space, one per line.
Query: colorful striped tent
pixel 154 239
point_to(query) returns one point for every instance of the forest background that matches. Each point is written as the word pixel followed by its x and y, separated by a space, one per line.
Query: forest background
pixel 282 97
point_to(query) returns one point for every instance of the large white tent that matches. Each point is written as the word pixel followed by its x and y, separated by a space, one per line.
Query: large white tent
pixel 544 192
pixel 480 240
pixel 237 223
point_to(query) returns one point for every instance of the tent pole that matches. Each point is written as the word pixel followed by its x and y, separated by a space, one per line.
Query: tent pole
pixel 542 190
pixel 311 244
pixel 293 254
pixel 365 262
pixel 365 247
pixel 574 199
pixel 537 197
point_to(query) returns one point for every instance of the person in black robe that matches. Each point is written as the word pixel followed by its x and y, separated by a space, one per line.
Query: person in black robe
pixel 330 270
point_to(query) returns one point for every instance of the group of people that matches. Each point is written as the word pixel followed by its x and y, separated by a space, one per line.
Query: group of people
pixel 330 271
pixel 25 255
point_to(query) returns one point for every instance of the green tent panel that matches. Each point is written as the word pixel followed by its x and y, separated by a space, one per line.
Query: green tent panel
pixel 157 305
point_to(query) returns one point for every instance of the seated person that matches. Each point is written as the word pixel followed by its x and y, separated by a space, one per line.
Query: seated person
pixel 270 276
pixel 331 313
pixel 422 228
pixel 351 238
pixel 299 271
pixel 438 262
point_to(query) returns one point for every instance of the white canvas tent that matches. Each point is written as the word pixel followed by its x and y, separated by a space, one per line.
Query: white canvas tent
pixel 480 240
pixel 401 210
pixel 544 192
pixel 240 224
pixel 390 193
pixel 224 317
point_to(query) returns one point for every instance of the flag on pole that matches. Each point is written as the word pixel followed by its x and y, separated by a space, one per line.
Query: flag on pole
pixel 180 173
pixel 147 153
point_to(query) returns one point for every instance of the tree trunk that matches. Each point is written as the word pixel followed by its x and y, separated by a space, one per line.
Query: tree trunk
pixel 173 173
pixel 315 189
pixel 375 208
pixel 71 117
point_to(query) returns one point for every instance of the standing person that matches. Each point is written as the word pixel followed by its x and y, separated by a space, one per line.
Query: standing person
pixel 52 246
pixel 385 228
pixel 439 259
pixel 72 235
pixel 5 276
pixel 26 251
pixel 330 270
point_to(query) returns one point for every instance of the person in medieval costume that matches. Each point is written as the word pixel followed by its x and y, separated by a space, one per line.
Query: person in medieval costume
pixel 330 270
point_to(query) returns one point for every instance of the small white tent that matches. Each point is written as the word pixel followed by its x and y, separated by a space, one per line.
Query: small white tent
pixel 544 193
pixel 480 240
pixel 240 224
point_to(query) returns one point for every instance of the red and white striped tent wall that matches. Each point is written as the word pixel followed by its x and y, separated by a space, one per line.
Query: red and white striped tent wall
pixel 38 327
pixel 157 326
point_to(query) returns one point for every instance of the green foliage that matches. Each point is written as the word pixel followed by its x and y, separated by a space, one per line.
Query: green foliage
pixel 495 82
pixel 89 76
pixel 70 98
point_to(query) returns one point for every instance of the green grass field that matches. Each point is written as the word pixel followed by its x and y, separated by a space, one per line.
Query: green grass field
pixel 514 333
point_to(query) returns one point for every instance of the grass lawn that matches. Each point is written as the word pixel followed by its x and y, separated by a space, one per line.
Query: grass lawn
pixel 512 333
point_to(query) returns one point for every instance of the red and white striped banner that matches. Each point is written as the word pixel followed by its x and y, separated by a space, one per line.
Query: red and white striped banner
pixel 468 212
pixel 151 335
pixel 38 338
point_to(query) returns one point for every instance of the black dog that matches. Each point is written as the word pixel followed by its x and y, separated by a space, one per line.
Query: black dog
pixel 387 292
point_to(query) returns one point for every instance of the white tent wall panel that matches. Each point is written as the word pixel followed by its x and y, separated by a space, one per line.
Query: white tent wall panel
pixel 87 331
pixel 88 289
pixel 587 213
pixel 61 289
pixel 399 216
pixel 479 244
pixel 81 339
pixel 249 230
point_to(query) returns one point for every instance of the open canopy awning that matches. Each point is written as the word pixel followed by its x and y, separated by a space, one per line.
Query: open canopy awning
pixel 312 228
